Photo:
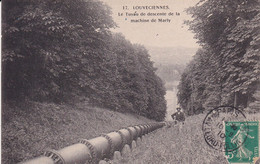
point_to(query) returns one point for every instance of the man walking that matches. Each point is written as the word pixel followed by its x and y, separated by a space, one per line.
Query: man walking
pixel 178 116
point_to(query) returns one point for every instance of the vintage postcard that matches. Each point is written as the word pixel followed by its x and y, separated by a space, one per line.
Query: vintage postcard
pixel 130 81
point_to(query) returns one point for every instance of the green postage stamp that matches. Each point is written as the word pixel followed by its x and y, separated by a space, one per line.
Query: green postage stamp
pixel 242 142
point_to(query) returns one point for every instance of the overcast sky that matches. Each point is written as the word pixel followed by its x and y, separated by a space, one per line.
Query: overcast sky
pixel 168 34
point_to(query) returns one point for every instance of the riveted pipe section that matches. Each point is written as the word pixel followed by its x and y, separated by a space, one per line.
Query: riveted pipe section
pixel 101 145
pixel 42 159
pixel 146 127
pixel 116 141
pixel 143 130
pixel 93 150
pixel 70 154
pixel 139 131
pixel 134 133
pixel 126 136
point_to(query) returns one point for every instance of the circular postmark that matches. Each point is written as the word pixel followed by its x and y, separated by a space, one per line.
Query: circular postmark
pixel 224 128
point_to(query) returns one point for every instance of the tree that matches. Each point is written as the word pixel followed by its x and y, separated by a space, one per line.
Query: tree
pixel 138 88
pixel 46 45
pixel 61 50
pixel 232 47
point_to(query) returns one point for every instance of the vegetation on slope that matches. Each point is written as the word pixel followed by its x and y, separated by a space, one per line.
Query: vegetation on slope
pixel 31 128
pixel 172 145
pixel 56 53
pixel 60 50
pixel 226 70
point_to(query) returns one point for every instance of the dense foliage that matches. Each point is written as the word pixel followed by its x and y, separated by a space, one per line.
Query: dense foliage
pixel 226 70
pixel 63 50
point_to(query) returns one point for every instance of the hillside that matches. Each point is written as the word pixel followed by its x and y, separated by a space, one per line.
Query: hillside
pixel 174 145
pixel 76 56
pixel 171 55
pixel 169 141
pixel 170 62
pixel 30 128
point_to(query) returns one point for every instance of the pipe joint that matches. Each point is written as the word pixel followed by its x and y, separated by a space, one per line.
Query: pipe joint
pixel 123 139
pixel 111 144
pixel 55 156
pixel 92 150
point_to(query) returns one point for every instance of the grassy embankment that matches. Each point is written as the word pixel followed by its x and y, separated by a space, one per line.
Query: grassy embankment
pixel 30 128
pixel 176 146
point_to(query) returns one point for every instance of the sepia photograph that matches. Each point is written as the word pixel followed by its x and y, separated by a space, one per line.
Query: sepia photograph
pixel 130 81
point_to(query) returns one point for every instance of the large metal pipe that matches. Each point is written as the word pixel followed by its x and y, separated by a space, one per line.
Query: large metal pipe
pixel 134 133
pixel 116 142
pixel 96 149
pixel 42 159
pixel 139 131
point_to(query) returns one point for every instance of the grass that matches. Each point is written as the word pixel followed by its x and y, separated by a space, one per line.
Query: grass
pixel 174 145
pixel 30 128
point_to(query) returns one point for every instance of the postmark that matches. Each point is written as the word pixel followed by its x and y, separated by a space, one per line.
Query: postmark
pixel 213 127
pixel 246 132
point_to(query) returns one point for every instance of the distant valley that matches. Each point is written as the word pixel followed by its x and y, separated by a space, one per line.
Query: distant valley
pixel 170 62
pixel 171 55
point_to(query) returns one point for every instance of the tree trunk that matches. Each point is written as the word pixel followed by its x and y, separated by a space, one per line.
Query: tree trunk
pixel 248 100
pixel 235 100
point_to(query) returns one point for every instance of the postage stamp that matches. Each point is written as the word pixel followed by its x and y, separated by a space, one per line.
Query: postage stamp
pixel 256 160
pixel 213 127
pixel 242 141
